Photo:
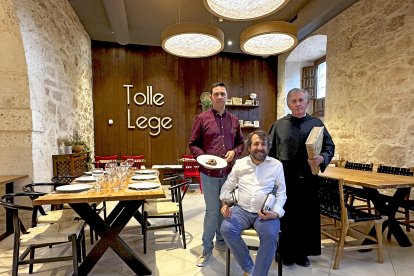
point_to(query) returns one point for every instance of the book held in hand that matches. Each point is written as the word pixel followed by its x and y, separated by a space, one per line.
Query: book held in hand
pixel 314 145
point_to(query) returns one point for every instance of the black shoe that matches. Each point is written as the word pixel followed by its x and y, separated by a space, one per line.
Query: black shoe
pixel 303 261
pixel 288 261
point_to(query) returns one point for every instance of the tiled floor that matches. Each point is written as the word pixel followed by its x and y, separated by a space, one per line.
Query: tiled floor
pixel 167 257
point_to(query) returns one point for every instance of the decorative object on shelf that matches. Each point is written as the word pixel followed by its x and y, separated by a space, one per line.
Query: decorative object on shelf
pixel 237 101
pixel 256 123
pixel 269 38
pixel 239 10
pixel 253 96
pixel 192 40
pixel 241 122
pixel 248 102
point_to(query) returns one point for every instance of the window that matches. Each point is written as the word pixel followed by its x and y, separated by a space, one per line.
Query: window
pixel 321 80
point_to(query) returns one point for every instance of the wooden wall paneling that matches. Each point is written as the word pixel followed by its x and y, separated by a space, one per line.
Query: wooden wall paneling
pixel 181 81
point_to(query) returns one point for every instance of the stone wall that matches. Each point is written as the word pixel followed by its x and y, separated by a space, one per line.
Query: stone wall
pixel 370 87
pixel 58 57
pixel 15 113
pixel 370 98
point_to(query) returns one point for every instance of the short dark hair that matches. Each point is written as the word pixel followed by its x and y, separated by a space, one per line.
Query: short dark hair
pixel 216 85
pixel 262 135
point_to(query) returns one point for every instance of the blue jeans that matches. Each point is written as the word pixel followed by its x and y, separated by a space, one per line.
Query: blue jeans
pixel 268 231
pixel 213 217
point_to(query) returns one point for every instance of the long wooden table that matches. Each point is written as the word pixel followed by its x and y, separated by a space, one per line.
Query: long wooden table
pixel 385 205
pixel 8 180
pixel 109 229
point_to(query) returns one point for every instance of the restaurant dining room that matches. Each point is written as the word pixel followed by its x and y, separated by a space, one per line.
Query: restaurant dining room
pixel 100 169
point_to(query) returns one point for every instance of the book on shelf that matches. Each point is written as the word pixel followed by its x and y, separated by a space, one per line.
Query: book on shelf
pixel 314 145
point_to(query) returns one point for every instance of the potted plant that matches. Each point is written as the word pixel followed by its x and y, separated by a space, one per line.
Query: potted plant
pixel 77 144
pixel 206 104
pixel 67 143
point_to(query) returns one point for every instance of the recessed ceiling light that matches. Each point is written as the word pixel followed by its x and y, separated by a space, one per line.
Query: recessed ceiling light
pixel 229 42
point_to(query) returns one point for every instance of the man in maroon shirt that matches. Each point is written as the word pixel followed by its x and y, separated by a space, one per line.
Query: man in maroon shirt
pixel 215 132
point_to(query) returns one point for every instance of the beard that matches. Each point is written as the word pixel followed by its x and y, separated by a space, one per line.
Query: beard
pixel 259 155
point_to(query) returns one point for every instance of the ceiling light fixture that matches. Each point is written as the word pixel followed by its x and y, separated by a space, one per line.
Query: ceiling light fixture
pixel 192 40
pixel 269 38
pixel 240 10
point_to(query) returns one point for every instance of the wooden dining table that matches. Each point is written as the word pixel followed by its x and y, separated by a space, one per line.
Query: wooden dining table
pixel 372 183
pixel 8 181
pixel 129 201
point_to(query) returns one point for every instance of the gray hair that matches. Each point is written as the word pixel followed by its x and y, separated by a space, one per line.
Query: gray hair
pixel 262 135
pixel 297 90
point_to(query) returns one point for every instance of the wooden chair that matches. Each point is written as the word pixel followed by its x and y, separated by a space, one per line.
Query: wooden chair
pixel 41 236
pixel 138 160
pixel 252 233
pixel 356 193
pixel 191 171
pixel 99 160
pixel 165 209
pixel 334 206
pixel 406 205
pixel 56 214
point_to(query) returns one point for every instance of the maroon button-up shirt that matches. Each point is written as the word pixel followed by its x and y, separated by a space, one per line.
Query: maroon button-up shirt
pixel 216 135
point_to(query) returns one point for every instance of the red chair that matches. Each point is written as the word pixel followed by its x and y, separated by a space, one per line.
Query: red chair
pixel 191 169
pixel 99 164
pixel 138 160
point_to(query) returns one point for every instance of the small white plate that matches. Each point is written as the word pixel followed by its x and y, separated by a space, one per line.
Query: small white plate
pixel 73 188
pixel 143 186
pixel 88 173
pixel 85 179
pixel 221 163
pixel 144 177
pixel 146 172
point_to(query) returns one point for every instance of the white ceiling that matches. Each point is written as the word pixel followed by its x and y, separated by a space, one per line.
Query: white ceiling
pixel 142 21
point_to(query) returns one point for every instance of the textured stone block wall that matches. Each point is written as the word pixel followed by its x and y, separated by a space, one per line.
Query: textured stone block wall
pixel 370 98
pixel 58 57
pixel 15 113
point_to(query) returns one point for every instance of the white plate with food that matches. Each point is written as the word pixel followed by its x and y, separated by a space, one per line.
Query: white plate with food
pixel 87 178
pixel 73 188
pixel 144 177
pixel 211 161
pixel 143 186
pixel 148 171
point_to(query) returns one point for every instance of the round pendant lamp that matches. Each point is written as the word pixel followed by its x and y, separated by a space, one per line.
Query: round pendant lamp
pixel 240 10
pixel 269 38
pixel 192 40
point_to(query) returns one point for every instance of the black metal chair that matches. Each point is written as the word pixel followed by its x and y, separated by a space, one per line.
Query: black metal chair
pixel 156 209
pixel 334 206
pixel 41 236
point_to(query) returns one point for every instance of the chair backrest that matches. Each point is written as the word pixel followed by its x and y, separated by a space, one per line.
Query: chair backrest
pixel 359 166
pixel 331 198
pixel 395 170
pixel 188 156
pixel 8 202
pixel 190 165
pixel 138 159
pixel 101 165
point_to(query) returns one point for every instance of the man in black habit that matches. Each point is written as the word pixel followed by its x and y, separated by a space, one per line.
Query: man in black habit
pixel 301 224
